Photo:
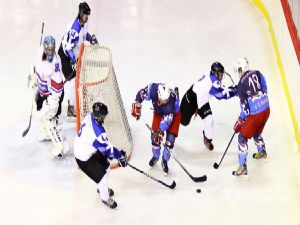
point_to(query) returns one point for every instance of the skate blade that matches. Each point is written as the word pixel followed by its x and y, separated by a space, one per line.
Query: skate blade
pixel 165 174
pixel 244 177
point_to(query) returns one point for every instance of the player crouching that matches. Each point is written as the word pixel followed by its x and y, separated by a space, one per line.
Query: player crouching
pixel 92 151
pixel 166 118
pixel 47 73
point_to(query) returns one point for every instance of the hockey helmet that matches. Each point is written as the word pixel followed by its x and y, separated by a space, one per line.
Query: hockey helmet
pixel 84 9
pixel 217 69
pixel 163 93
pixel 241 66
pixel 99 112
pixel 49 47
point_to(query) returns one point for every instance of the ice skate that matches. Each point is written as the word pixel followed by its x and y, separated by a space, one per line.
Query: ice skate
pixel 208 142
pixel 111 193
pixel 260 155
pixel 241 171
pixel 110 203
pixel 164 165
pixel 153 161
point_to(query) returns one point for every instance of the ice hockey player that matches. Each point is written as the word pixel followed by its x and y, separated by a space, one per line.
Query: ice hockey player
pixel 92 151
pixel 69 50
pixel 166 118
pixel 47 73
pixel 255 111
pixel 196 100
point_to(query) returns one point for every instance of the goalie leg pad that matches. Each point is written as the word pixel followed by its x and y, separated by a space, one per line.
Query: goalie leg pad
pixel 60 145
pixel 43 132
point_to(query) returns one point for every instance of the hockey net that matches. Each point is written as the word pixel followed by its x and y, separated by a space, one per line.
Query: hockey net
pixel 96 81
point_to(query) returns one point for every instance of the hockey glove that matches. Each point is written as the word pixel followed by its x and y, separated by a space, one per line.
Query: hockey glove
pixel 123 159
pixel 157 137
pixel 31 79
pixel 238 125
pixel 73 64
pixel 233 90
pixel 93 40
pixel 136 110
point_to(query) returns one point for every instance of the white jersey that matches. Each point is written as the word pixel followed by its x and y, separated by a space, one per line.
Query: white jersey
pixel 74 37
pixel 91 137
pixel 48 74
pixel 209 86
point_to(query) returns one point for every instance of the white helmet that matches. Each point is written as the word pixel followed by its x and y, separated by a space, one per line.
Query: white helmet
pixel 242 65
pixel 163 92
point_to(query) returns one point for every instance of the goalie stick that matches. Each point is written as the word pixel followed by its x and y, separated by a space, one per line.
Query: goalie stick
pixel 171 186
pixel 195 179
pixel 29 125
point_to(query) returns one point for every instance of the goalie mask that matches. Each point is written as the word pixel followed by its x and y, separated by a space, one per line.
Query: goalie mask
pixel 99 112
pixel 241 66
pixel 163 93
pixel 218 70
pixel 49 47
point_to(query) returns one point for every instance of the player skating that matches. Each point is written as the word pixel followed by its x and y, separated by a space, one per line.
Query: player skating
pixel 255 111
pixel 166 119
pixel 196 100
pixel 69 50
pixel 92 151
pixel 48 75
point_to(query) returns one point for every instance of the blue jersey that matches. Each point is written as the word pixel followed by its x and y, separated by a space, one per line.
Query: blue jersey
pixel 150 93
pixel 252 91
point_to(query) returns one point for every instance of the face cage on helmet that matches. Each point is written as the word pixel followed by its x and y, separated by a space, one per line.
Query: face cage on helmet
pixel 49 51
pixel 99 119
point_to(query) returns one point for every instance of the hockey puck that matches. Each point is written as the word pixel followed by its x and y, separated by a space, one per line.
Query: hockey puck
pixel 216 166
pixel 198 190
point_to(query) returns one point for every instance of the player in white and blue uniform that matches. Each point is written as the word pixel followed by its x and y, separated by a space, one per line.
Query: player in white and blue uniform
pixel 92 151
pixel 166 118
pixel 196 100
pixel 48 76
pixel 69 50
pixel 255 111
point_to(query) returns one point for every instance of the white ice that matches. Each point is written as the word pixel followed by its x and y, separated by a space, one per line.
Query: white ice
pixel 151 41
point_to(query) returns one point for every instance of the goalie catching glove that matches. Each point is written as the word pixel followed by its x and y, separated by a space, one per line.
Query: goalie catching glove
pixel 136 110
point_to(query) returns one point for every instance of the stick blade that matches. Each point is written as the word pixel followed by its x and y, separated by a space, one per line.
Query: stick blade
pixel 200 179
pixel 25 132
pixel 173 185
pixel 216 165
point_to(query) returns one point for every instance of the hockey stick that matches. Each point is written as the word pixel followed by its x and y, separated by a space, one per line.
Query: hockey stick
pixel 172 186
pixel 230 77
pixel 195 179
pixel 29 125
pixel 216 165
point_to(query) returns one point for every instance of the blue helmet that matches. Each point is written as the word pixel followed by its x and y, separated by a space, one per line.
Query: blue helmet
pixel 49 47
